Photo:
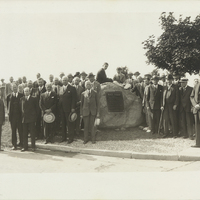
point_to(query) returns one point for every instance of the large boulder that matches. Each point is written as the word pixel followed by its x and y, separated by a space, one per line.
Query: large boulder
pixel 132 115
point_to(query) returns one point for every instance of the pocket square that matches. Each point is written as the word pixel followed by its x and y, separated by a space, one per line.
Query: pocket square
pixel 52 97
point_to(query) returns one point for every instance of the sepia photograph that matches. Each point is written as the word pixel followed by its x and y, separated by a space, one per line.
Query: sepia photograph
pixel 99 99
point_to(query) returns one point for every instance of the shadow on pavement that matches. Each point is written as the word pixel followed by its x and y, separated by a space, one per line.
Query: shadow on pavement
pixel 40 154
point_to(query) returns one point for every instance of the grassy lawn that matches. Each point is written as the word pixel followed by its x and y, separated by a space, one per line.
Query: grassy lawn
pixel 131 139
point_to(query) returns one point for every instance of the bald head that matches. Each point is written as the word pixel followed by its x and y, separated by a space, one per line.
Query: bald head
pixel 26 91
pixel 65 80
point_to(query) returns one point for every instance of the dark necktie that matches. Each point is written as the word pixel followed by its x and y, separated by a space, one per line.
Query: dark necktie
pixel 56 90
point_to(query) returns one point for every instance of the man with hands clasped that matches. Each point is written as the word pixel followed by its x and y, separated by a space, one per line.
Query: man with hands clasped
pixel 47 104
pixel 89 110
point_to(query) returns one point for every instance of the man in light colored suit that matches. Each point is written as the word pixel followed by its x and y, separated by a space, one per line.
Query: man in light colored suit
pixel 2 118
pixel 9 86
pixel 57 89
pixel 79 91
pixel 195 100
pixel 89 110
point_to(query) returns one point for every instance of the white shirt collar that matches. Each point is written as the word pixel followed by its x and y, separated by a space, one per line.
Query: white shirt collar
pixel 15 94
pixel 27 97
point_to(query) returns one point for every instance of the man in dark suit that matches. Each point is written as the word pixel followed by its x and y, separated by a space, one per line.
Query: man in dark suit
pixel 47 104
pixel 56 88
pixel 83 79
pixel 39 123
pixel 67 104
pixel 29 108
pixel 79 91
pixel 89 111
pixel 169 105
pixel 2 118
pixel 185 109
pixel 101 75
pixel 154 99
pixel 195 100
pixel 15 118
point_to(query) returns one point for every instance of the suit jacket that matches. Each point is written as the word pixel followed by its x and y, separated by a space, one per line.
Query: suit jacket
pixel 154 97
pixel 10 105
pixel 101 76
pixel 48 102
pixel 29 109
pixel 9 88
pixel 173 95
pixel 195 97
pixel 56 89
pixel 2 112
pixel 68 98
pixel 89 104
pixel 185 103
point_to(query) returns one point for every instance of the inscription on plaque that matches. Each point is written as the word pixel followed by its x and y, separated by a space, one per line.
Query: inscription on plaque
pixel 115 101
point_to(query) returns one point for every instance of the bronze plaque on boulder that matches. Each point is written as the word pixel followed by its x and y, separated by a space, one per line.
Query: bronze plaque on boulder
pixel 115 101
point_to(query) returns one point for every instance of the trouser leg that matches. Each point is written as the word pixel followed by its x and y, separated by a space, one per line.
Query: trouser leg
pixel 25 136
pixel 91 126
pixel 14 132
pixel 197 127
pixel 0 134
pixel 86 127
pixel 70 126
pixel 20 132
pixel 184 123
pixel 64 134
pixel 189 116
pixel 32 131
pixel 166 120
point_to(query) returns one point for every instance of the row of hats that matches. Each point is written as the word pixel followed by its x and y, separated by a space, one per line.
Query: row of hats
pixel 77 74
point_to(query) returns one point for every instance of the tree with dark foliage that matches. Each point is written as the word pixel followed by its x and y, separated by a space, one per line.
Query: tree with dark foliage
pixel 178 47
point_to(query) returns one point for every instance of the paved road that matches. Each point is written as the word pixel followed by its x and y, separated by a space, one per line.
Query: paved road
pixel 53 162
pixel 55 175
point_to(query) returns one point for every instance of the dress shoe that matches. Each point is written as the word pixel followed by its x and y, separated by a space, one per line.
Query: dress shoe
pixel 93 142
pixel 175 137
pixel 1 150
pixel 195 146
pixel 185 137
pixel 165 136
pixel 46 142
pixel 14 148
pixel 23 149
pixel 33 149
pixel 19 145
pixel 70 141
pixel 85 142
pixel 191 138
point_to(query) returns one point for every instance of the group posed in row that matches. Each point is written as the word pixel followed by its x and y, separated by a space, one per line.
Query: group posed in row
pixel 170 105
pixel 27 103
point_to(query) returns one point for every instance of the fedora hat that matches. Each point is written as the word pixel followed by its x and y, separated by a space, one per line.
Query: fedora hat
pixel 183 80
pixel 137 73
pixel 83 73
pixel 155 77
pixel 77 74
pixel 49 118
pixel 72 117
pixel 90 75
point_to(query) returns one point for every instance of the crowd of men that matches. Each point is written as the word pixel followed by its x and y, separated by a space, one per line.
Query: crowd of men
pixel 169 105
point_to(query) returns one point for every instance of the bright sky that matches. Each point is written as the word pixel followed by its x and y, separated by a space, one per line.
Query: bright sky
pixel 70 36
